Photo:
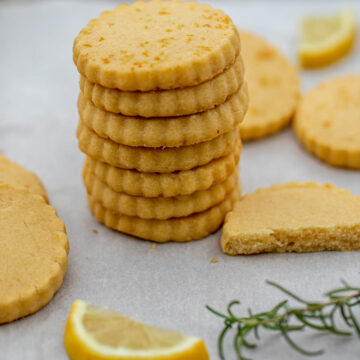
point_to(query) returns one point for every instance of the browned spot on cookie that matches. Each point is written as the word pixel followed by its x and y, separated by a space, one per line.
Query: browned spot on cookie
pixel 265 54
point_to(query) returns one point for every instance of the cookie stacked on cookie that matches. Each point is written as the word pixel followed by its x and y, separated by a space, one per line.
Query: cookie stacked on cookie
pixel 162 97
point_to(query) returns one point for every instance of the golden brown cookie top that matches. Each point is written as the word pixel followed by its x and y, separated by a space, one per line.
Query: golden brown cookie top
pixel 330 113
pixel 156 45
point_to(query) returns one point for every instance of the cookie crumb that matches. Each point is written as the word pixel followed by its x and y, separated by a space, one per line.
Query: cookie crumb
pixel 214 260
pixel 95 231
pixel 153 246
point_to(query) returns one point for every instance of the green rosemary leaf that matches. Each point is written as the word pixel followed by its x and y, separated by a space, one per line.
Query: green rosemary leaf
pixel 345 316
pixel 232 303
pixel 216 312
pixel 297 298
pixel 245 331
pixel 308 323
pixel 354 321
pixel 297 347
pixel 333 325
pixel 221 342
pixel 279 306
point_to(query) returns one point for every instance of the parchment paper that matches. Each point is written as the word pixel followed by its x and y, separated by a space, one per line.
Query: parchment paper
pixel 171 285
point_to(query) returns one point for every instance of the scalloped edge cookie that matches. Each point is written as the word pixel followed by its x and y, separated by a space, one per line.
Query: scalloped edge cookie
pixel 167 184
pixel 274 88
pixel 327 122
pixel 162 160
pixel 157 208
pixel 167 103
pixel 31 289
pixel 168 132
pixel 187 228
pixel 107 52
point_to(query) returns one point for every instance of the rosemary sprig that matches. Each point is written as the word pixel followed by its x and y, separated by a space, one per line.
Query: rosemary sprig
pixel 319 316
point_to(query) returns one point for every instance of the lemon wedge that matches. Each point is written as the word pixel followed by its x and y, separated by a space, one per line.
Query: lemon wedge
pixel 325 39
pixel 97 333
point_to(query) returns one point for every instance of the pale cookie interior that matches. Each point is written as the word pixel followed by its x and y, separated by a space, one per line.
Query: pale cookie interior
pixel 299 217
pixel 34 249
pixel 273 84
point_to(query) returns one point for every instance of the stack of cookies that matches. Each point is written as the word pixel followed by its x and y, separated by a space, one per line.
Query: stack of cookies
pixel 162 96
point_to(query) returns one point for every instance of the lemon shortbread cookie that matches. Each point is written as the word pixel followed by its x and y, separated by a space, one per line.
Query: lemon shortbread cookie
pixel 328 122
pixel 156 45
pixel 167 184
pixel 187 228
pixel 157 208
pixel 163 160
pixel 165 103
pixel 15 175
pixel 273 88
pixel 169 132
pixel 296 217
pixel 33 252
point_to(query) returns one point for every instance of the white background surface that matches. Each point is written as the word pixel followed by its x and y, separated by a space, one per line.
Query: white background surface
pixel 170 286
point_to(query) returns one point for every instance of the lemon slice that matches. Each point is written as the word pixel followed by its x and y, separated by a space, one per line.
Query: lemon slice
pixel 325 39
pixel 95 333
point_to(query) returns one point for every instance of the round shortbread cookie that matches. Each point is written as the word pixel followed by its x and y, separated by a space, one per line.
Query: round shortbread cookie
pixel 327 122
pixel 156 45
pixel 293 217
pixel 33 249
pixel 168 132
pixel 157 208
pixel 166 103
pixel 165 185
pixel 16 176
pixel 274 88
pixel 162 160
pixel 182 229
